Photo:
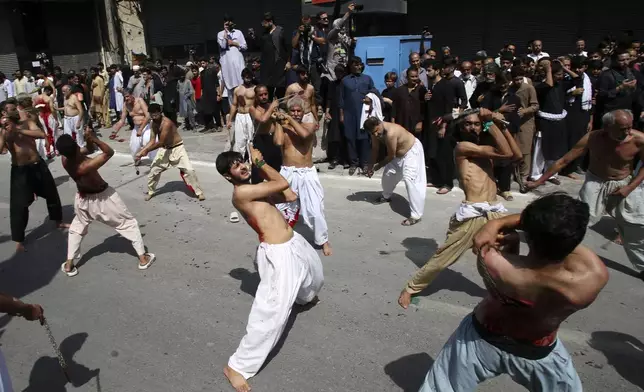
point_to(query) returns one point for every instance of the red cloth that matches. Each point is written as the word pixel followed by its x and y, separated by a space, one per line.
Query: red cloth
pixel 196 85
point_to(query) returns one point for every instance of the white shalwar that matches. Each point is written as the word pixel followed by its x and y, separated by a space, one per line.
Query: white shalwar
pixel 244 128
pixel 628 212
pixel 5 380
pixel 411 169
pixel 308 118
pixel 138 142
pixel 69 127
pixel 304 181
pixel 118 95
pixel 289 273
pixel 539 164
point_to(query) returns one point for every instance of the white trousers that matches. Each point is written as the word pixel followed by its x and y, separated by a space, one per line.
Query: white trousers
pixel 289 273
pixel 242 132
pixel 304 181
pixel 467 360
pixel 5 380
pixel 69 127
pixel 105 207
pixel 539 164
pixel 138 142
pixel 411 169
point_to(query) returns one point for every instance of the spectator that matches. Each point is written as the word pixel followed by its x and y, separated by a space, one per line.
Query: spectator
pixel 537 53
pixel 469 81
pixel 19 83
pixel 618 87
pixel 308 43
pixel 336 142
pixel 408 107
pixel 187 104
pixel 209 93
pixel 580 48
pixel 414 63
pixel 527 108
pixel 231 45
pixel 391 78
pixel 6 88
pixel 275 56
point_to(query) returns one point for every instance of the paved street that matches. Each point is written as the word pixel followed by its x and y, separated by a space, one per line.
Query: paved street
pixel 173 327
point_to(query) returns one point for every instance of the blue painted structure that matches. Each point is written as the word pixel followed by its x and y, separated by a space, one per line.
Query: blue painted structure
pixel 382 54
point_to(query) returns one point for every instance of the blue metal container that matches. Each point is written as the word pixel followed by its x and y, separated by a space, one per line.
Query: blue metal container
pixel 382 54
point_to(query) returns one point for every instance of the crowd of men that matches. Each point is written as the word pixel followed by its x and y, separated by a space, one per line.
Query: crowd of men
pixel 485 120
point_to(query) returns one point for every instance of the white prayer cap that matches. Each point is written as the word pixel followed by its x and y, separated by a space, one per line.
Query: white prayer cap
pixel 136 68
pixel 189 63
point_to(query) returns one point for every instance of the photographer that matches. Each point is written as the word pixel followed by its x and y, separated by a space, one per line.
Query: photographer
pixel 231 44
pixel 308 43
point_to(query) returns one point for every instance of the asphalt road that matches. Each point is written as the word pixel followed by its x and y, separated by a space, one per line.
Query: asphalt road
pixel 173 327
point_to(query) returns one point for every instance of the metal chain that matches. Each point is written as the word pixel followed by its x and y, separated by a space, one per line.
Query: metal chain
pixel 52 340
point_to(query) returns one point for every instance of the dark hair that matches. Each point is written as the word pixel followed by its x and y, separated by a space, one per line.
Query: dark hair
pixel 391 75
pixel 556 67
pixel 506 55
pixel 449 62
pixel 228 18
pixel 101 64
pixel 25 101
pixel 301 70
pixel 268 16
pixel 14 116
pixel 516 72
pixel 246 73
pixel 319 14
pixel 595 64
pixel 578 62
pixel 554 225
pixel 154 108
pixel 371 123
pixel 528 60
pixel 354 60
pixel 433 63
pixel 66 146
pixel 410 70
pixel 225 161
pixel 83 70
pixel 48 88
pixel 340 70
pixel 57 68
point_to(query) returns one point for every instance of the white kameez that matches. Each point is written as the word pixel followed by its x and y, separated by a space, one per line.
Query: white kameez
pixel 118 95
pixel 243 131
pixel 289 273
pixel 5 380
pixel 539 164
pixel 232 59
pixel 411 169
pixel 69 127
pixel 138 142
pixel 304 181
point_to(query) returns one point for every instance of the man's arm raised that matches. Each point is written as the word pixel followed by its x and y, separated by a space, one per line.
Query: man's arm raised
pixel 578 150
pixel 33 131
pixel 301 130
pixel 501 150
pixel 274 183
pixel 93 164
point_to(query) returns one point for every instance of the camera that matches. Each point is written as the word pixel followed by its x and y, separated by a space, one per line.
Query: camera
pixel 359 7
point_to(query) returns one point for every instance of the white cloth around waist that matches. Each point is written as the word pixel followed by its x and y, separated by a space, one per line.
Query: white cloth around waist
pixel 552 116
pixel 475 210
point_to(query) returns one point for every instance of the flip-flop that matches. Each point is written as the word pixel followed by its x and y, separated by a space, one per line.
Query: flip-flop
pixel 71 273
pixel 149 263
pixel 410 222
pixel 234 217
pixel 381 200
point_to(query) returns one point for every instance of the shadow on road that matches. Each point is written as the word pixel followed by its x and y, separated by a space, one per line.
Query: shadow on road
pixel 420 250
pixel 174 186
pixel 606 227
pixel 624 352
pixel 249 280
pixel 409 371
pixel 398 204
pixel 61 180
pixel 47 374
pixel 113 244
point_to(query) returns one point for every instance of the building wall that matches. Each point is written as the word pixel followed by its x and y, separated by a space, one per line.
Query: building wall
pixel 131 30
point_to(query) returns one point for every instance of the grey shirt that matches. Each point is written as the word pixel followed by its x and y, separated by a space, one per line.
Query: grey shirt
pixel 422 74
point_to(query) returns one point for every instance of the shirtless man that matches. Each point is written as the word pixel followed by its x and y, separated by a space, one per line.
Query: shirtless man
pixel 296 140
pixel 29 174
pixel 475 157
pixel 514 329
pixel 95 200
pixel 243 101
pixel 290 269
pixel 29 113
pixel 141 135
pixel 171 153
pixel 405 161
pixel 263 115
pixel 73 120
pixel 306 91
pixel 611 186
pixel 44 102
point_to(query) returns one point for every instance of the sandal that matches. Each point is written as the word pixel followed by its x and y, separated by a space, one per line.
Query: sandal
pixel 381 200
pixel 234 217
pixel 71 273
pixel 149 263
pixel 443 191
pixel 507 196
pixel 410 222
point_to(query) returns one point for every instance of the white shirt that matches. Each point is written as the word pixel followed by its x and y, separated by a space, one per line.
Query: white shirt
pixel 9 87
pixel 231 57
pixel 470 86
pixel 583 53
pixel 224 93
pixel 537 57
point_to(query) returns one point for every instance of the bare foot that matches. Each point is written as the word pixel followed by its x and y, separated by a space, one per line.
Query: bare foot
pixel 405 299
pixel 572 176
pixel 618 240
pixel 20 247
pixel 443 191
pixel 201 197
pixel 148 197
pixel 236 380
pixel 61 225
pixel 326 249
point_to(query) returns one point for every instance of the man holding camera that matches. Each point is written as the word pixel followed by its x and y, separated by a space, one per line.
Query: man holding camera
pixel 231 44
pixel 308 43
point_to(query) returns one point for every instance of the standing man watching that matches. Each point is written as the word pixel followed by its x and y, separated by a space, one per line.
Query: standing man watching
pixel 275 56
pixel 74 113
pixel 414 63
pixel 231 45
pixel 308 42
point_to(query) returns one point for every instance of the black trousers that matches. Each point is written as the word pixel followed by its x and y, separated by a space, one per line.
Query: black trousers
pixel 441 167
pixel 27 181
pixel 503 173
pixel 272 155
pixel 276 92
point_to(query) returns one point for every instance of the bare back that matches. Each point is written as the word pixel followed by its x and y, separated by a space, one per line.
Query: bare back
pixel 476 177
pixel 245 98
pixel 610 159
pixel 297 151
pixel 167 132
pixel 267 221
pixel 90 182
